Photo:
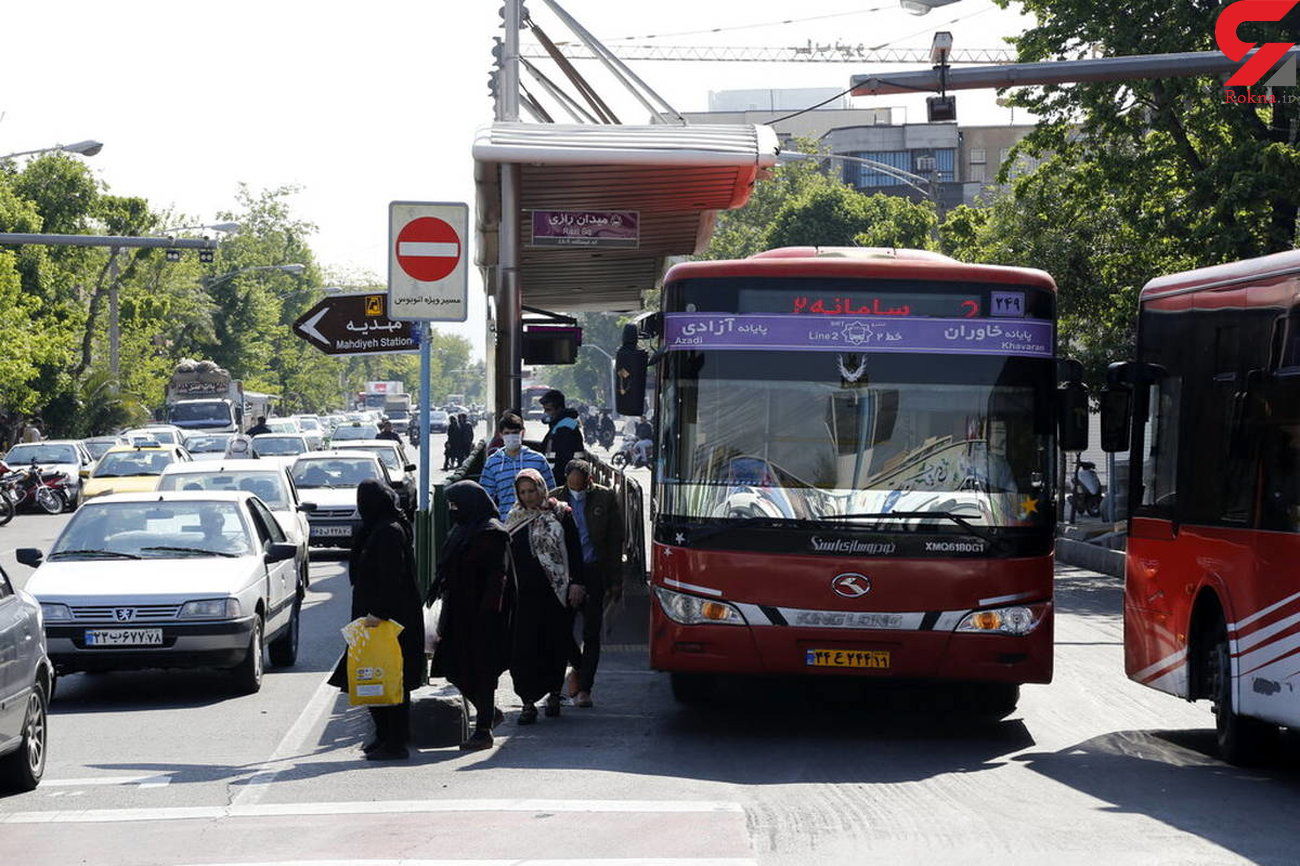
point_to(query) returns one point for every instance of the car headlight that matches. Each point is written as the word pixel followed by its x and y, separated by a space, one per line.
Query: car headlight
pixel 1015 620
pixel 693 610
pixel 54 612
pixel 210 608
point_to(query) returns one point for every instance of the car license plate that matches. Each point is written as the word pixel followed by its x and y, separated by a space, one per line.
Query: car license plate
pixel 331 531
pixel 124 637
pixel 839 658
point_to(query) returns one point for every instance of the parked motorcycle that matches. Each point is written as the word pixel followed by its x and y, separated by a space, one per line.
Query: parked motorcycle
pixel 1086 490
pixel 8 499
pixel 627 457
pixel 32 487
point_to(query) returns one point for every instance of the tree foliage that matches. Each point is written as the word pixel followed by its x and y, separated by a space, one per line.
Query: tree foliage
pixel 236 310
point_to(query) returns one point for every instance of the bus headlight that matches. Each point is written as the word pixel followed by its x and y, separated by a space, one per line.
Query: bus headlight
pixel 693 610
pixel 1015 620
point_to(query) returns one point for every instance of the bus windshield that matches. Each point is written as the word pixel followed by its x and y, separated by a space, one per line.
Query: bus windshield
pixel 811 436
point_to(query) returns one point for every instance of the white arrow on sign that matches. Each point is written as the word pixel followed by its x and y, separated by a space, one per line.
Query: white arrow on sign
pixel 309 327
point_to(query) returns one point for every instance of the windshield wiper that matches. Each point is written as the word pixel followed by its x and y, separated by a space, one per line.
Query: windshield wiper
pixel 202 550
pixel 991 539
pixel 772 522
pixel 116 554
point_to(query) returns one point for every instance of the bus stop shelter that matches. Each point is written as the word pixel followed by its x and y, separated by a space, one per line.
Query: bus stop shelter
pixel 676 178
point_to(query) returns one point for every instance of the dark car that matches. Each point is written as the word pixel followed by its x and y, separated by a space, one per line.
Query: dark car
pixel 26 683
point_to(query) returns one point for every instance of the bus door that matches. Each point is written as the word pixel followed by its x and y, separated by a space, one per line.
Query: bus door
pixel 1154 645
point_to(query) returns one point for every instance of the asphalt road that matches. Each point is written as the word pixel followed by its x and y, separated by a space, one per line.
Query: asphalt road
pixel 169 768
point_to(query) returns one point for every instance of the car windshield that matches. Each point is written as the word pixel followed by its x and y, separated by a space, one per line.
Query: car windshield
pixel 282 426
pixel 154 530
pixel 208 443
pixel 267 485
pixel 276 446
pixel 335 471
pixel 816 435
pixel 360 431
pixel 121 464
pixel 310 424
pixel 98 448
pixel 387 456
pixel 158 434
pixel 41 453
pixel 213 412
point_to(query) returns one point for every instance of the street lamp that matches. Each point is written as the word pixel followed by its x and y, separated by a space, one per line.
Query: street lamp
pixel 226 228
pixel 293 269
pixel 922 7
pixel 89 147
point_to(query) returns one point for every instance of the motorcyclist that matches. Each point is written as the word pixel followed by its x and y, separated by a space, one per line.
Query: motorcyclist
pixel 644 433
pixel 606 428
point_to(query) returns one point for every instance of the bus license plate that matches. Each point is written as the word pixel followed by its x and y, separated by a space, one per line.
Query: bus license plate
pixel 835 658
pixel 124 637
pixel 331 531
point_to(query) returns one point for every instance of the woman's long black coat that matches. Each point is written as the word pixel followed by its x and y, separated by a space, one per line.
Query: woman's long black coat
pixel 384 585
pixel 543 626
pixel 478 605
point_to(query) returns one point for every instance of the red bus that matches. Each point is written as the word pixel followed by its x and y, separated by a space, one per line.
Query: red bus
pixel 855 471
pixel 1212 589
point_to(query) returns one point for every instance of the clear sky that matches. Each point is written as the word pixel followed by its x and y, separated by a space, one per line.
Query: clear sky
pixel 362 104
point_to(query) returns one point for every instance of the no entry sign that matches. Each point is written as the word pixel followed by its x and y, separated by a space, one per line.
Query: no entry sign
pixel 427 261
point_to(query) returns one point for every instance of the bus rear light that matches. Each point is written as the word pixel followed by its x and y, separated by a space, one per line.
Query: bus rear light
pixel 693 610
pixel 1015 620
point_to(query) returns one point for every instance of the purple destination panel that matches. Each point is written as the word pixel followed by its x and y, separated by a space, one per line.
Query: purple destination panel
pixel 586 228
pixel 1030 338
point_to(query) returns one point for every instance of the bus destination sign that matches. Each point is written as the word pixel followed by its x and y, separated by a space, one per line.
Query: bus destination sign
pixel 957 336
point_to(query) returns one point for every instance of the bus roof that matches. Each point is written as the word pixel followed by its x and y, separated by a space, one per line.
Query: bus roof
pixel 1216 276
pixel 861 262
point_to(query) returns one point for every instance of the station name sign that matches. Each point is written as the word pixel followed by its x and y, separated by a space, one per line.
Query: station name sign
pixel 618 229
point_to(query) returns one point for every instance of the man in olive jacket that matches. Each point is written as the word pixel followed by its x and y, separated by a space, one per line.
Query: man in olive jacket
pixel 600 529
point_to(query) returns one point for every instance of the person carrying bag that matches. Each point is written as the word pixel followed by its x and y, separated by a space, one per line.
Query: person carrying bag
pixel 381 568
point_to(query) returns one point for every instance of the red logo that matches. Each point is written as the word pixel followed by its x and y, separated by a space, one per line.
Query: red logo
pixel 1268 55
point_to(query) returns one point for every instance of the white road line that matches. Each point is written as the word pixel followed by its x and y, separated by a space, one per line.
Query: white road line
pixel 380 807
pixel 154 780
pixel 428 248
pixel 294 742
pixel 628 861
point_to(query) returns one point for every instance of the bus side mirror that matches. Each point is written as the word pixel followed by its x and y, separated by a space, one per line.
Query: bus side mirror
pixel 1116 418
pixel 630 368
pixel 1072 420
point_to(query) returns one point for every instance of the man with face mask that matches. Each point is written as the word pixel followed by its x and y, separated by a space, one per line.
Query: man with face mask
pixel 563 441
pixel 502 465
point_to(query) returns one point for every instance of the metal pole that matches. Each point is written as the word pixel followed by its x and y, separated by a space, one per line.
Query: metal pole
pixel 114 329
pixel 509 356
pixel 1054 72
pixel 426 397
pixel 110 241
pixel 1110 477
pixel 508 91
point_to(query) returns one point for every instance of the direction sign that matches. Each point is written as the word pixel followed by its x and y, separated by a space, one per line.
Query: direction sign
pixel 428 264
pixel 356 325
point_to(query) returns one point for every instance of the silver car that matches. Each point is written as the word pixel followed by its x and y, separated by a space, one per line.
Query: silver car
pixel 26 683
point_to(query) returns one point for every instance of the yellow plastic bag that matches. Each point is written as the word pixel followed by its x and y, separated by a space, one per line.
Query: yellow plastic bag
pixel 374 663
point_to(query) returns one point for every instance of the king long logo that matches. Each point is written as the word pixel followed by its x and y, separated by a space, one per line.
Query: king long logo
pixel 851 585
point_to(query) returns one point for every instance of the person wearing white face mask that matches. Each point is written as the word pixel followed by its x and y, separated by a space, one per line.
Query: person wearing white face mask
pixel 504 464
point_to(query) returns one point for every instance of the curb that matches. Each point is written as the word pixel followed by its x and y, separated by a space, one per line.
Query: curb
pixel 1090 556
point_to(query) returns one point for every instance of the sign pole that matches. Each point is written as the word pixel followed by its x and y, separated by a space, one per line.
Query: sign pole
pixel 426 398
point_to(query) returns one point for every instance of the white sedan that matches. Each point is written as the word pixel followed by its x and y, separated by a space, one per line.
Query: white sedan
pixel 55 455
pixel 329 480
pixel 170 580
pixel 268 480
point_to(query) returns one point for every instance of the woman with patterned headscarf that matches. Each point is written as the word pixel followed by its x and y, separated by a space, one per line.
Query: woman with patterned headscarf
pixel 548 566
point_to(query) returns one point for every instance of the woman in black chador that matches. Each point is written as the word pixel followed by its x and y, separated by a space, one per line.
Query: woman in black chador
pixel 382 570
pixel 477 587
pixel 548 566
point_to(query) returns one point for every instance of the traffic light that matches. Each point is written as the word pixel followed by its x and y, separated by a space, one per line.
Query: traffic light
pixel 494 75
